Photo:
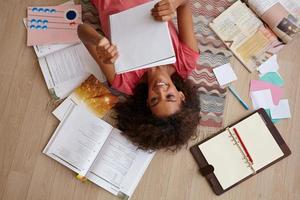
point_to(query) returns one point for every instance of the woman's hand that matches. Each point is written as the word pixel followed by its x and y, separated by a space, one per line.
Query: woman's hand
pixel 165 10
pixel 106 52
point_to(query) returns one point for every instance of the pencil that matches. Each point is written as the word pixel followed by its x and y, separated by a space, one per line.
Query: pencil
pixel 238 97
pixel 243 145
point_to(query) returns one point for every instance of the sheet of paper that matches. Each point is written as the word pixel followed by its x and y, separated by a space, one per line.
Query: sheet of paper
pixel 224 74
pixel 277 92
pixel 62 110
pixel 269 114
pixel 271 65
pixel 273 78
pixel 226 158
pixel 53 24
pixel 262 99
pixel 281 111
pixel 78 139
pixel 258 140
pixel 140 39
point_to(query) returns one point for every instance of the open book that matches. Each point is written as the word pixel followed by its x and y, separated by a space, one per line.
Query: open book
pixel 240 151
pixel 142 42
pixel 66 68
pixel 93 148
pixel 251 41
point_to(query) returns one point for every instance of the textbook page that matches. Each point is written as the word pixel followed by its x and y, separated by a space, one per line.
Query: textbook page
pixel 141 40
pixel 245 35
pixel 119 165
pixel 226 158
pixel 65 70
pixel 78 139
pixel 282 16
pixel 258 140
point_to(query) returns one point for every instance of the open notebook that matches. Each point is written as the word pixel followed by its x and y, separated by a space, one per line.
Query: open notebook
pixel 240 151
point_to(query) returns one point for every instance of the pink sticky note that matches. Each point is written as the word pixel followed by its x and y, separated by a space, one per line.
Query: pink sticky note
pixel 53 24
pixel 277 92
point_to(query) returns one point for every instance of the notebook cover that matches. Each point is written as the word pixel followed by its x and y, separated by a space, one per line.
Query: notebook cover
pixel 207 170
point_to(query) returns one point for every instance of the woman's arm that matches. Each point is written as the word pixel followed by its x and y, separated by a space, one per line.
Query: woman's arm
pixel 165 11
pixel 185 26
pixel 100 48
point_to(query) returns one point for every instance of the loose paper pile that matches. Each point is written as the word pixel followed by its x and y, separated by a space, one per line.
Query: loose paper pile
pixel 267 92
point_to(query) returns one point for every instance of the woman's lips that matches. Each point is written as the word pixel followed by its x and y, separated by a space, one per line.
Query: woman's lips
pixel 161 83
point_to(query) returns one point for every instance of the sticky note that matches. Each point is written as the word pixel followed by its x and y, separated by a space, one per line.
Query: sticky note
pixel 262 99
pixel 277 92
pixel 271 65
pixel 273 78
pixel 281 111
pixel 224 74
pixel 269 114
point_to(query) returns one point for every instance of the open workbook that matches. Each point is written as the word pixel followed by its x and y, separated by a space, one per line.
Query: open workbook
pixel 93 148
pixel 66 67
pixel 142 42
pixel 251 30
pixel 240 151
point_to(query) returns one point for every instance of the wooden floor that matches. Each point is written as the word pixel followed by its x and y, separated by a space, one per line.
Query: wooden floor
pixel 26 125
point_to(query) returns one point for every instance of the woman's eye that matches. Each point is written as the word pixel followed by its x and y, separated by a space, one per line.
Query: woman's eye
pixel 153 100
pixel 170 96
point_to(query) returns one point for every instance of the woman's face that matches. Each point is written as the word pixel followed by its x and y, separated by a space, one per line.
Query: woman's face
pixel 163 97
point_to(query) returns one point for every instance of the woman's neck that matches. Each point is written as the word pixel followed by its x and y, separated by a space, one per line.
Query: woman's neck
pixel 167 69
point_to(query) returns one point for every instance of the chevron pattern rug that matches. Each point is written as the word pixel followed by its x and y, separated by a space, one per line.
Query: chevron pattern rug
pixel 213 53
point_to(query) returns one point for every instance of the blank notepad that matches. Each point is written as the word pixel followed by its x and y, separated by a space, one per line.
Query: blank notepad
pixel 142 42
pixel 228 161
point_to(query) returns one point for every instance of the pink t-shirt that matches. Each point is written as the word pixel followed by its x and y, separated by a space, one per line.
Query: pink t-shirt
pixel 185 57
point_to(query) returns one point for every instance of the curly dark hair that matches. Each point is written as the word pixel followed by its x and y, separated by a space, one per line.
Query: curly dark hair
pixel 148 132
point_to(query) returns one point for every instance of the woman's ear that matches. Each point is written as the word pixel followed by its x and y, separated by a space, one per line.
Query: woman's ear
pixel 182 96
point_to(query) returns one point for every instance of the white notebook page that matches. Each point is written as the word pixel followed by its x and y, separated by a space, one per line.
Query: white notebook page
pixel 119 164
pixel 78 139
pixel 226 158
pixel 258 140
pixel 229 164
pixel 140 39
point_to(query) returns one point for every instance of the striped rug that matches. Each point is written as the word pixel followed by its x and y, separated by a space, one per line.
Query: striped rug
pixel 213 54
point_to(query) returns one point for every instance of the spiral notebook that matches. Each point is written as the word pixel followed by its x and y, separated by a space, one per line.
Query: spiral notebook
pixel 240 151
